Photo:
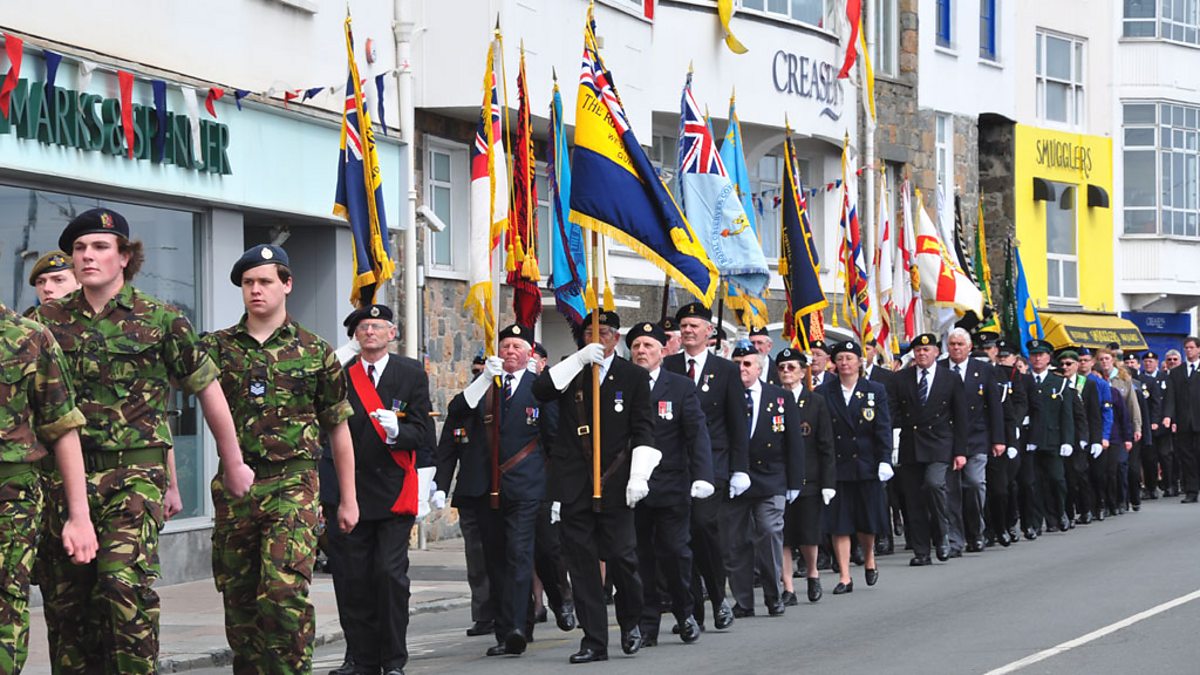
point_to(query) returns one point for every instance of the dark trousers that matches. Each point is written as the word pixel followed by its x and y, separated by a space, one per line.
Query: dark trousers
pixel 1052 484
pixel 1079 487
pixel 483 603
pixel 1031 502
pixel 925 494
pixel 997 493
pixel 373 563
pixel 548 561
pixel 1098 474
pixel 663 533
pixel 589 537
pixel 508 550
pixel 708 550
pixel 1134 485
pixel 1159 459
pixel 1187 450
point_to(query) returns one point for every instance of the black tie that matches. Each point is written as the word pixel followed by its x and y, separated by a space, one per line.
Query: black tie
pixel 508 388
pixel 923 386
pixel 749 413
pixel 957 371
pixel 371 372
pixel 692 369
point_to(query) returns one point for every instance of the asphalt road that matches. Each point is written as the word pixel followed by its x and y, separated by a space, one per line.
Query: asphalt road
pixel 977 614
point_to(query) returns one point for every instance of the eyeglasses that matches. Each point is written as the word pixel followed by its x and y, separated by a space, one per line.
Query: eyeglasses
pixel 788 366
pixel 376 327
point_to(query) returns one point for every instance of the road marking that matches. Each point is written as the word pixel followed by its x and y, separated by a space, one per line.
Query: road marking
pixel 1094 635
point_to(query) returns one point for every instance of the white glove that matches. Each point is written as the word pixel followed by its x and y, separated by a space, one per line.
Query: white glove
pixel 1065 450
pixel 1012 452
pixel 827 495
pixel 555 512
pixel 1030 447
pixel 885 472
pixel 438 500
pixel 564 371
pixel 1083 445
pixel 702 489
pixel 791 495
pixel 346 353
pixel 390 423
pixel 739 482
pixel 493 366
pixel 1096 450
pixel 896 456
pixel 478 388
pixel 641 465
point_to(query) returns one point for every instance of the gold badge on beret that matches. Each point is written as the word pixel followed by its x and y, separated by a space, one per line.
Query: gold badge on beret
pixel 375 312
pixel 647 327
pixel 106 221
pixel 516 330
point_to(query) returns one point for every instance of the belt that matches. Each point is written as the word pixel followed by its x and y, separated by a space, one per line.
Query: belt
pixel 517 458
pixel 287 466
pixel 14 469
pixel 104 460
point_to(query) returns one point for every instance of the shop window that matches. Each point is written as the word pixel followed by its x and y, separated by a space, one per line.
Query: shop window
pixel 1062 259
pixel 945 29
pixel 886 58
pixel 987 30
pixel 447 184
pixel 944 152
pixel 812 12
pixel 31 221
pixel 1060 66
pixel 1162 169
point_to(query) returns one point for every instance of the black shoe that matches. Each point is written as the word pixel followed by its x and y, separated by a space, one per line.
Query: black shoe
pixel 920 561
pixel 515 642
pixel 842 589
pixel 1190 499
pixel 824 560
pixel 776 609
pixel 1003 539
pixel 1085 519
pixel 481 628
pixel 897 528
pixel 1100 515
pixel 1014 535
pixel 1064 523
pixel 872 576
pixel 722 618
pixel 394 671
pixel 587 655
pixel 856 557
pixel 789 599
pixel 1136 507
pixel 740 612
pixel 975 546
pixel 689 630
pixel 565 617
pixel 1030 533
pixel 497 650
pixel 540 616
pixel 885 547
pixel 834 566
pixel 631 642
pixel 943 550
pixel 649 641
pixel 347 668
pixel 814 590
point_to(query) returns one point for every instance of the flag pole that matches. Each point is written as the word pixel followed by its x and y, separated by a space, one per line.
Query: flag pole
pixel 596 492
pixel 495 258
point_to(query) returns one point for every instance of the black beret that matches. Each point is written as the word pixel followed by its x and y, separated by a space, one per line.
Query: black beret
pixel 1113 346
pixel 789 354
pixel 926 340
pixel 744 348
pixel 609 319
pixel 846 346
pixel 263 254
pixel 986 338
pixel 818 344
pixel 540 350
pixel 54 261
pixel 648 329
pixel 93 221
pixel 518 331
pixel 1039 347
pixel 1149 355
pixel 1081 351
pixel 669 324
pixel 760 331
pixel 382 312
pixel 1004 347
pixel 695 310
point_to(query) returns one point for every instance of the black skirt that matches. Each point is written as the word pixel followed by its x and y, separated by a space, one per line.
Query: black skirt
pixel 858 507
pixel 802 521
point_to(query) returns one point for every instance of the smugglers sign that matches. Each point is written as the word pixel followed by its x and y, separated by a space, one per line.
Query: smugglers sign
pixel 809 78
pixel 93 123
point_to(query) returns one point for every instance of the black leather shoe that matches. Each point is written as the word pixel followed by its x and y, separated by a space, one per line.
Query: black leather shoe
pixel 347 668
pixel 789 599
pixel 814 590
pixel 565 617
pixel 481 628
pixel 1085 519
pixel 1003 539
pixel 975 547
pixel 1014 534
pixel 649 641
pixel 872 576
pixel 856 557
pixel 631 642
pixel 776 609
pixel 689 630
pixel 1190 499
pixel 1064 523
pixel 1136 507
pixel 394 671
pixel 515 642
pixel 1030 533
pixel 497 650
pixel 723 617
pixel 1100 515
pixel 587 655
pixel 919 561
pixel 842 589
pixel 540 616
pixel 740 612
pixel 943 551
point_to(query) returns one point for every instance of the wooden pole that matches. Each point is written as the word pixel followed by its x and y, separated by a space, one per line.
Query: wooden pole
pixel 666 297
pixel 596 492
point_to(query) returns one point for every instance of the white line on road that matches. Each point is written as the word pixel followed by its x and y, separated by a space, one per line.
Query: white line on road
pixel 1094 635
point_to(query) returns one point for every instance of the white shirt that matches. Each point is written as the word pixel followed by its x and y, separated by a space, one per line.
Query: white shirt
pixel 762 377
pixel 605 365
pixel 818 379
pixel 867 370
pixel 516 379
pixel 930 370
pixel 847 394
pixel 700 360
pixel 962 369
pixel 755 396
pixel 799 389
pixel 654 376
pixel 379 366
pixel 1192 366
pixel 1038 378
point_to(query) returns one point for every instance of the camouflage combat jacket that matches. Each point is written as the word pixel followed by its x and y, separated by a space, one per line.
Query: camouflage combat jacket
pixel 282 393
pixel 122 362
pixel 36 399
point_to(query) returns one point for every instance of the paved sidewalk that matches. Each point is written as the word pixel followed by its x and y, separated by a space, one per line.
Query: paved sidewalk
pixel 192 621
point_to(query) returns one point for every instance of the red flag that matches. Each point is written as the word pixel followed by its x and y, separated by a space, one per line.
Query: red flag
pixel 125 80
pixel 523 273
pixel 214 94
pixel 15 48
pixel 854 16
pixel 289 96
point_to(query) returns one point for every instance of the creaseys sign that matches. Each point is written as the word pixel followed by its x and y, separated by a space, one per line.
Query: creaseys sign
pixel 93 123
pixel 809 78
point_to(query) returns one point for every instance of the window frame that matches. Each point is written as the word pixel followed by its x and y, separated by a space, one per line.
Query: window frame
pixel 988 18
pixel 1076 104
pixel 1175 145
pixel 944 24
pixel 1060 260
pixel 944 168
pixel 828 7
pixel 886 57
pixel 457 228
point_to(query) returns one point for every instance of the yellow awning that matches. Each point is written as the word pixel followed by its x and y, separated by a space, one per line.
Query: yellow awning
pixel 1089 329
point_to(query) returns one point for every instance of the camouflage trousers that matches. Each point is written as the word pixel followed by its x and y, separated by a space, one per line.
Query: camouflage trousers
pixel 103 617
pixel 264 545
pixel 20 518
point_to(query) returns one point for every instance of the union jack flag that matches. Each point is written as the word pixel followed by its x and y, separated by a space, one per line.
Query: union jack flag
pixel 596 77
pixel 697 151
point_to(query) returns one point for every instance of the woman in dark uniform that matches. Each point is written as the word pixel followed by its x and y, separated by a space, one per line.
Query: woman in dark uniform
pixel 862 439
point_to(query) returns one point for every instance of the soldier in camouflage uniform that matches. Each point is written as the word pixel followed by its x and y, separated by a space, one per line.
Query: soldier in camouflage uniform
pixel 123 350
pixel 37 411
pixel 286 386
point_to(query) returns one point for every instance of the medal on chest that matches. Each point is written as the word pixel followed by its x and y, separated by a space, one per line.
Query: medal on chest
pixel 531 416
pixel 777 423
pixel 704 387
pixel 460 436
pixel 868 414
pixel 400 408
pixel 871 399
pixel 619 402
pixel 666 410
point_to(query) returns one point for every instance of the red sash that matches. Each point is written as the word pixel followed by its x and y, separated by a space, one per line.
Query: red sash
pixel 406 502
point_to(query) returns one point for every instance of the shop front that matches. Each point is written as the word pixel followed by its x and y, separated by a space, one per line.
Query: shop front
pixel 1164 331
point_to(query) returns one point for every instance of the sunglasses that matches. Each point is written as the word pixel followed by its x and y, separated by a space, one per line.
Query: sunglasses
pixel 787 366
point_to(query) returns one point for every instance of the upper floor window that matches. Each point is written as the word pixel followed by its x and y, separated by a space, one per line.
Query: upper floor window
pixel 812 12
pixel 1060 64
pixel 885 57
pixel 944 152
pixel 945 29
pixel 987 30
pixel 447 185
pixel 1162 168
pixel 1175 20
pixel 1062 257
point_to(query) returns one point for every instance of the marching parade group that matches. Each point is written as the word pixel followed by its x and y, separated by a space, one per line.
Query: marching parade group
pixel 715 476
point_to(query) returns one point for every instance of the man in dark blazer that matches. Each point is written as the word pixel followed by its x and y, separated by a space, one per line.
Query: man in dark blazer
pixel 967 490
pixel 761 339
pixel 627 460
pixel 930 411
pixel 1051 435
pixel 720 389
pixel 819 370
pixel 1003 469
pixel 663 518
pixel 1185 392
pixel 1158 447
pixel 776 476
pixel 390 398
pixel 1086 411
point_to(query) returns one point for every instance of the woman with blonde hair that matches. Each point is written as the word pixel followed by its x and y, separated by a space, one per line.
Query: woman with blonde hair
pixel 1125 405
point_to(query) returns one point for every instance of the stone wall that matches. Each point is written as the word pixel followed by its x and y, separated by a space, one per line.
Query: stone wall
pixel 996 179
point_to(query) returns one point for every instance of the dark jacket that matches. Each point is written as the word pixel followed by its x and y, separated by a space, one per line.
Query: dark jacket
pixel 985 414
pixel 816 426
pixel 934 431
pixel 723 403
pixel 862 430
pixel 777 446
pixel 681 434
pixel 1051 420
pixel 1015 399
pixel 1155 391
